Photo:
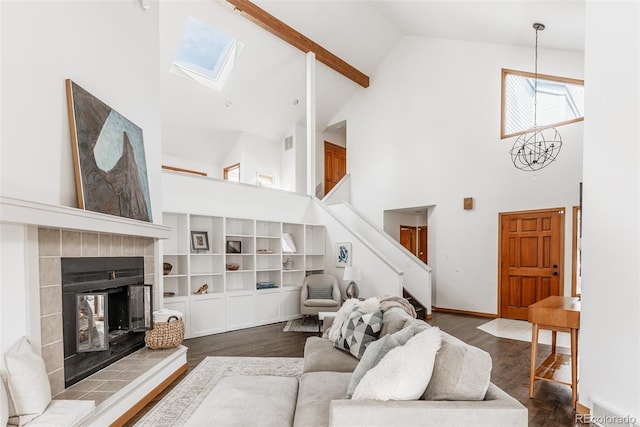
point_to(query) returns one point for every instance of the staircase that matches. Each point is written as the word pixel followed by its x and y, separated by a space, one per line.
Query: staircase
pixel 414 276
pixel 421 312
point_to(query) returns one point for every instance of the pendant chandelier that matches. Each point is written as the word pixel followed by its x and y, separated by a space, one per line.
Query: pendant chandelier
pixel 539 146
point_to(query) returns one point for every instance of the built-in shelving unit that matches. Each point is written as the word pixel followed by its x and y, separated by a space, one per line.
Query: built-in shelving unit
pixel 250 279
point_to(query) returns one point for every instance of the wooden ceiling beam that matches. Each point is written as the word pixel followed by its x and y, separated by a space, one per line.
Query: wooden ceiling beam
pixel 275 26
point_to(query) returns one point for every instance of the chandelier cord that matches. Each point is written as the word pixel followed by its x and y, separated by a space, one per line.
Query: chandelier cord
pixel 535 85
pixel 537 147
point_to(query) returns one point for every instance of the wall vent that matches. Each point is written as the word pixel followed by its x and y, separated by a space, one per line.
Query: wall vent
pixel 288 143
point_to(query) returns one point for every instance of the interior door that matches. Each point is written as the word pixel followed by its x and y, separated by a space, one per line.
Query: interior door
pixel 422 243
pixel 408 238
pixel 335 165
pixel 531 259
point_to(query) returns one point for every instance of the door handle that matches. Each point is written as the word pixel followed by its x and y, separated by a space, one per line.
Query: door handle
pixel 555 265
pixel 555 273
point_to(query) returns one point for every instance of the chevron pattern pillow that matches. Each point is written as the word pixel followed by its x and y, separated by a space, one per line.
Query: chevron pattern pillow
pixel 358 331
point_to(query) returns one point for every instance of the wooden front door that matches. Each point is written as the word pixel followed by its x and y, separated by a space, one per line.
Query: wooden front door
pixel 531 259
pixel 335 165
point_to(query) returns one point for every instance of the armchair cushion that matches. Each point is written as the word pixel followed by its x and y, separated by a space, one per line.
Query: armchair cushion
pixel 323 302
pixel 320 291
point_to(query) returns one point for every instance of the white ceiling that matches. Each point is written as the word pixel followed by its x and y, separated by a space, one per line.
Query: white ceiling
pixel 203 124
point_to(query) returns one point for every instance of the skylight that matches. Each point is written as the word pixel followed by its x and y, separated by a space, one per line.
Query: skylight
pixel 205 55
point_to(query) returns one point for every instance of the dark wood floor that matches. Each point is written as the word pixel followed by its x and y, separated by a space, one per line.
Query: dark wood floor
pixel 551 405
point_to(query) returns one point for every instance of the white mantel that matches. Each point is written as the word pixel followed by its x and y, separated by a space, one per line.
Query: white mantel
pixel 23 212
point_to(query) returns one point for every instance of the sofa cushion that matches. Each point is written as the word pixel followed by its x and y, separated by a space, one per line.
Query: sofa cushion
pixel 320 291
pixel 317 390
pixel 374 354
pixel 321 355
pixel 249 401
pixel 4 405
pixel 27 379
pixel 403 374
pixel 358 331
pixel 461 372
pixel 63 413
pixel 393 320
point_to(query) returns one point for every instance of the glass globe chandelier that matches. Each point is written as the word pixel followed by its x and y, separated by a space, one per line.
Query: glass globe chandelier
pixel 539 146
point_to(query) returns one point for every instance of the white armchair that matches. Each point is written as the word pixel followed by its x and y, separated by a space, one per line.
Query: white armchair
pixel 320 292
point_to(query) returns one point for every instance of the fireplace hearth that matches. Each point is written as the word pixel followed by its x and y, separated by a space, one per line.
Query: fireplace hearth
pixel 106 307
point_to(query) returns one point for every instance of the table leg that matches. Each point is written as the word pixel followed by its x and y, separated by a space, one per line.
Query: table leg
pixel 554 335
pixel 534 351
pixel 574 367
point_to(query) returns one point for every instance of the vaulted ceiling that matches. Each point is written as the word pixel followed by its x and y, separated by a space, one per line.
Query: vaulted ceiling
pixel 260 96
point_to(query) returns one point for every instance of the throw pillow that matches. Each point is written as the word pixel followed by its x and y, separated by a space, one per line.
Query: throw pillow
pixel 367 306
pixel 461 372
pixel 374 354
pixel 358 330
pixel 320 291
pixel 403 374
pixel 27 379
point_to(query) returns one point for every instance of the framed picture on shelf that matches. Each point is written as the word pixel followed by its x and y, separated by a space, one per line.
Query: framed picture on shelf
pixel 343 254
pixel 234 246
pixel 199 241
pixel 288 245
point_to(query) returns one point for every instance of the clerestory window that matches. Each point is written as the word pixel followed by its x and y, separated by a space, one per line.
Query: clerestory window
pixel 560 101
pixel 232 173
pixel 205 55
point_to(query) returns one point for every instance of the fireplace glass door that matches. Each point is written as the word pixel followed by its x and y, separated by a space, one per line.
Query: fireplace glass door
pixel 91 321
pixel 140 308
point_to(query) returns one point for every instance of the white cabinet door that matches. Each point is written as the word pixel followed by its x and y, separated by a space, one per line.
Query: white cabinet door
pixel 268 306
pixel 207 314
pixel 290 302
pixel 241 309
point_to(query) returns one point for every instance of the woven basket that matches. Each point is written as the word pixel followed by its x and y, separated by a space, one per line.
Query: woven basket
pixel 165 334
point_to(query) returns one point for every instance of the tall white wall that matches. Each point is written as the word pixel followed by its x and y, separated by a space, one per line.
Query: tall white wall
pixel 610 319
pixel 260 155
pixel 14 316
pixel 213 170
pixel 110 48
pixel 426 132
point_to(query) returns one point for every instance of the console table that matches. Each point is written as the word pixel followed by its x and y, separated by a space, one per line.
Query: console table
pixel 556 313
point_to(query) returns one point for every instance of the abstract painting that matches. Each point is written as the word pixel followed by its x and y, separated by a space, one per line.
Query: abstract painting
pixel 343 254
pixel 109 159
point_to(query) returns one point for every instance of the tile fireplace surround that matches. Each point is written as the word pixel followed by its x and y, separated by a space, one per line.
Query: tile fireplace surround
pixel 54 243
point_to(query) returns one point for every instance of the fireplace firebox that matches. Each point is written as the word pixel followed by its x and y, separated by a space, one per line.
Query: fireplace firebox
pixel 106 307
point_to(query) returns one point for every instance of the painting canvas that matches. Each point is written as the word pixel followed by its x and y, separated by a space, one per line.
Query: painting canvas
pixel 109 159
pixel 343 254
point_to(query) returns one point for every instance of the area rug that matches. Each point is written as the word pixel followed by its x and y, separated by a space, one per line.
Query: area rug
pixel 179 404
pixel 296 325
pixel 521 330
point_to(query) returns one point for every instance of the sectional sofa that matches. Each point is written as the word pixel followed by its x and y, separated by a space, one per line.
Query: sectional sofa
pixel 459 391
